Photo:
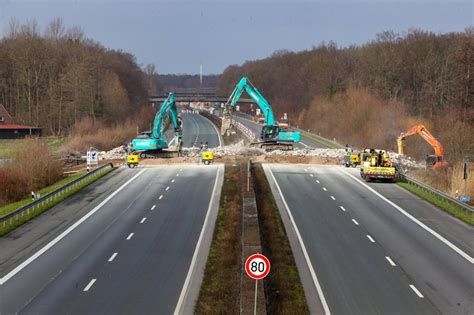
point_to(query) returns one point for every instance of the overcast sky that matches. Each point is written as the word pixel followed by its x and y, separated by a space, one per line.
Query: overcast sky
pixel 179 35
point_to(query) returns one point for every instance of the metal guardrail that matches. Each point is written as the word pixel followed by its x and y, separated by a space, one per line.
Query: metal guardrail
pixel 38 204
pixel 436 192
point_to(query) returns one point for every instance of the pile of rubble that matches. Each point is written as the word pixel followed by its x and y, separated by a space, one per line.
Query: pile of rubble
pixel 240 149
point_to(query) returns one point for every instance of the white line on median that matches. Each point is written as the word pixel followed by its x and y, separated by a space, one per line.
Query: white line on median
pixel 196 250
pixel 66 232
pixel 91 283
pixel 143 220
pixel 416 291
pixel 161 196
pixel 303 248
pixel 415 220
pixel 113 256
pixel 325 189
pixel 168 188
pixel 130 236
pixel 355 222
pixel 153 208
pixel 342 208
pixel 332 197
pixel 370 238
pixel 390 261
pixel 317 181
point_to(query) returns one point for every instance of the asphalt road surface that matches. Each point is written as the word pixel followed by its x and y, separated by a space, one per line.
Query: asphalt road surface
pixel 198 129
pixel 374 248
pixel 128 254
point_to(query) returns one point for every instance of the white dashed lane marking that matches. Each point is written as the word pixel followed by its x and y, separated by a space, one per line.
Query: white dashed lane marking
pixel 113 256
pixel 91 283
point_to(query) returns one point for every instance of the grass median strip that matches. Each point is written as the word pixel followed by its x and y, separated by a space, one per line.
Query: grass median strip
pixel 221 284
pixel 452 209
pixel 13 223
pixel 320 141
pixel 283 288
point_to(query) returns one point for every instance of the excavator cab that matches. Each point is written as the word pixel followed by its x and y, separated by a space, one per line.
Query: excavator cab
pixel 269 133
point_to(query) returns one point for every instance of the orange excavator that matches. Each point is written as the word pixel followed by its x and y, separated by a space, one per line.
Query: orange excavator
pixel 436 160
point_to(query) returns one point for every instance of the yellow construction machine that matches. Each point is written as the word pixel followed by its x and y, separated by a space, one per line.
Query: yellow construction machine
pixel 376 165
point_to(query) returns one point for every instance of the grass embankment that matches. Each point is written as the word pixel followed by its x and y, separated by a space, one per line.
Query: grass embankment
pixel 283 288
pixel 452 209
pixel 221 284
pixel 8 146
pixel 14 223
pixel 15 205
pixel 319 140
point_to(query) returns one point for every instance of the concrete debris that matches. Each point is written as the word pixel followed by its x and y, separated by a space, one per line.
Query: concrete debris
pixel 240 149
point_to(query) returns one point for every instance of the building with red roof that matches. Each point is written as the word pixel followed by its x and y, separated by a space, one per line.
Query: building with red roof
pixel 10 130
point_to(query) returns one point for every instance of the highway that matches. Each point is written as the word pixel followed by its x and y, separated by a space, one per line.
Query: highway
pixel 197 129
pixel 129 252
pixel 366 255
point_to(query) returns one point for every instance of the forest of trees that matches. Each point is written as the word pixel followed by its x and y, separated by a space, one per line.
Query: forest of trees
pixel 57 77
pixel 366 95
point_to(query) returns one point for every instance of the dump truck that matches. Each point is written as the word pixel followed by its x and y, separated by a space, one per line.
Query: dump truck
pixel 376 165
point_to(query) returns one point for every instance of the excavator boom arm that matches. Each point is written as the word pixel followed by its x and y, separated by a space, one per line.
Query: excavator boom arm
pixel 245 85
pixel 427 136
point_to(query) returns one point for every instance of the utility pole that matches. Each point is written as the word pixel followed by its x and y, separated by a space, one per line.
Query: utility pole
pixel 200 76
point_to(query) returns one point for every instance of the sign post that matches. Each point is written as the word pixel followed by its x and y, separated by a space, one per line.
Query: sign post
pixel 92 157
pixel 257 267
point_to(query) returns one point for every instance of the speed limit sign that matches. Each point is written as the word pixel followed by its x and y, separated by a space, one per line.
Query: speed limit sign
pixel 257 266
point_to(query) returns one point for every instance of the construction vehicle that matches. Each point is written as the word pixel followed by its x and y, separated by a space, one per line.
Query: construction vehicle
pixel 207 157
pixel 271 136
pixel 376 165
pixel 351 159
pixel 132 160
pixel 151 144
pixel 434 161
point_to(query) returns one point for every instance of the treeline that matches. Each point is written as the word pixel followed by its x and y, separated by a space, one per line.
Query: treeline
pixel 366 95
pixel 56 78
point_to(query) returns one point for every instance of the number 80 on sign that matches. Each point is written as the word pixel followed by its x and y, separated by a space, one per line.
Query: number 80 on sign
pixel 257 266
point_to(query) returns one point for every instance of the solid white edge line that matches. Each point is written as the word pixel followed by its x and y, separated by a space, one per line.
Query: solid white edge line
pixel 416 291
pixel 143 220
pixel 89 285
pixel 112 257
pixel 370 238
pixel 66 232
pixel 342 208
pixel 355 222
pixel 130 236
pixel 303 247
pixel 184 290
pixel 390 261
pixel 415 220
pixel 153 208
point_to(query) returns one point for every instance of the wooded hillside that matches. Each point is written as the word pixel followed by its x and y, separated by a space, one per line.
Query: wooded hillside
pixel 366 95
pixel 56 78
